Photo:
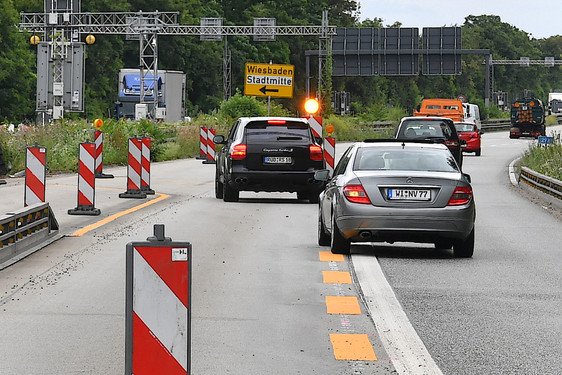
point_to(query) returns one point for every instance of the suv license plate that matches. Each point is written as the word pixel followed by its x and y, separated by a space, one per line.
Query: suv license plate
pixel 278 160
pixel 409 194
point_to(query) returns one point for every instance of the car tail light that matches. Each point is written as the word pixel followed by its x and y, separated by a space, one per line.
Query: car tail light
pixel 316 153
pixel 276 122
pixel 461 195
pixel 239 152
pixel 356 194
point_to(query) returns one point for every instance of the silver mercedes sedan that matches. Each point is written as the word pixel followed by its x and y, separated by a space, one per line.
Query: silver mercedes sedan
pixel 397 191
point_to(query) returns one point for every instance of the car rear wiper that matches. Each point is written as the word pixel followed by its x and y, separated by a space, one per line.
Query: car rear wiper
pixel 289 138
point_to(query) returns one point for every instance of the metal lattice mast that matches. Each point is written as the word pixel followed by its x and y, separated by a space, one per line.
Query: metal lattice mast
pixel 58 54
pixel 148 64
pixel 324 62
pixel 226 71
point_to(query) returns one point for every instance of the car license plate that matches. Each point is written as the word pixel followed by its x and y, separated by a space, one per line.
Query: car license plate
pixel 278 160
pixel 409 194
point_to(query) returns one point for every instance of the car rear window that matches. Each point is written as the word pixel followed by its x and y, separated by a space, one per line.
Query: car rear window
pixel 405 160
pixel 424 129
pixel 465 127
pixel 279 130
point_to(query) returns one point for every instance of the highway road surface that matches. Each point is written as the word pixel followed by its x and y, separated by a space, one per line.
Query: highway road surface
pixel 266 299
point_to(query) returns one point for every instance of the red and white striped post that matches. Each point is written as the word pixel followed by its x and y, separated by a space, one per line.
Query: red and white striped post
pixel 35 172
pixel 210 147
pixel 98 139
pixel 86 181
pixel 315 123
pixel 158 306
pixel 134 170
pixel 145 166
pixel 202 143
pixel 330 153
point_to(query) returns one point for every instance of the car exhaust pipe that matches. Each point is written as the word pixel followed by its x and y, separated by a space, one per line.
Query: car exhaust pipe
pixel 241 180
pixel 365 234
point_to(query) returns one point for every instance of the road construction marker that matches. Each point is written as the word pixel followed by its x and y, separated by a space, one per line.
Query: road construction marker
pixel 86 181
pixel 134 170
pixel 158 305
pixel 352 347
pixel 35 172
pixel 336 277
pixel 343 305
pixel 327 256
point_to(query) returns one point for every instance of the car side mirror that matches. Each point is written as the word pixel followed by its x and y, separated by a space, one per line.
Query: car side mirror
pixel 322 175
pixel 462 142
pixel 219 139
pixel 467 176
pixel 318 140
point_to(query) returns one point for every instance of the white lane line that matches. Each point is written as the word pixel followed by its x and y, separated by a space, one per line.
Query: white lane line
pixel 401 342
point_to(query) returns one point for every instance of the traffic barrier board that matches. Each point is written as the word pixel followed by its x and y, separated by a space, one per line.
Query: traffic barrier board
pixel 158 306
pixel 274 80
pixel 35 172
pixel 86 181
pixel 98 139
pixel 134 170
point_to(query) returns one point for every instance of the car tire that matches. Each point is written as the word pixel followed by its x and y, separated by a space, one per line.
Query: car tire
pixel 229 194
pixel 478 152
pixel 323 236
pixel 464 248
pixel 219 188
pixel 338 244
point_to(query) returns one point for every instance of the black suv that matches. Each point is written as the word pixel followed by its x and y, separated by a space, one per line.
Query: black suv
pixel 436 129
pixel 269 154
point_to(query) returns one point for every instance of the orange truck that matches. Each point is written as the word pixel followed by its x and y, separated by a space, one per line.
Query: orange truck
pixel 450 108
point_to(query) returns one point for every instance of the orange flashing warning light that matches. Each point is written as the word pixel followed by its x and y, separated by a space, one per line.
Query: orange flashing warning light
pixel 330 129
pixel 98 123
pixel 311 106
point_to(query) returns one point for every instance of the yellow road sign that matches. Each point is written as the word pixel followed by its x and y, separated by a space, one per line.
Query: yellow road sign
pixel 269 80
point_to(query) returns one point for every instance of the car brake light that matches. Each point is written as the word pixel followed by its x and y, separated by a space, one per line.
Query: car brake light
pixel 276 122
pixel 316 152
pixel 238 152
pixel 461 195
pixel 356 194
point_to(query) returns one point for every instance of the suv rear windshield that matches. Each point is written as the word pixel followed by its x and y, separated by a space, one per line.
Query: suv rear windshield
pixel 425 128
pixel 281 130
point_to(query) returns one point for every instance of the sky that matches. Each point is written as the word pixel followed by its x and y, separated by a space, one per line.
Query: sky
pixel 541 19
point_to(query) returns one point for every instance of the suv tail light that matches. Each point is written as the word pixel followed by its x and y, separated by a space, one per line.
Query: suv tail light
pixel 356 194
pixel 461 195
pixel 316 153
pixel 239 152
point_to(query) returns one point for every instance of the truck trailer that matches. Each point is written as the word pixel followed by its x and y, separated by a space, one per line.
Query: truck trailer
pixel 527 118
pixel 170 90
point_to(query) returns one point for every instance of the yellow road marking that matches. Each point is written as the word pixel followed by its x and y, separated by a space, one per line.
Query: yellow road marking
pixel 336 277
pixel 98 224
pixel 343 305
pixel 349 347
pixel 327 256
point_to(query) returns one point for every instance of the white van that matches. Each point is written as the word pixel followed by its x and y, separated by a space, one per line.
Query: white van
pixel 472 114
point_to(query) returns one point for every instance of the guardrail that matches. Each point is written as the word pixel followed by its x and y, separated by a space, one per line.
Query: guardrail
pixel 24 231
pixel 541 182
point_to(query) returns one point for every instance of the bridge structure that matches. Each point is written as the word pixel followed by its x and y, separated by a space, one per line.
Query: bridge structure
pixel 62 26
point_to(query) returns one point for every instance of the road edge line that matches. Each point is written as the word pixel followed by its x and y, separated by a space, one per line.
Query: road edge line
pixel 108 219
pixel 404 347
